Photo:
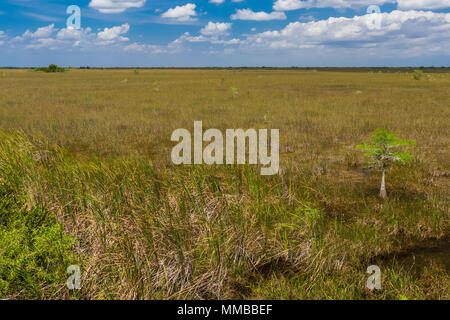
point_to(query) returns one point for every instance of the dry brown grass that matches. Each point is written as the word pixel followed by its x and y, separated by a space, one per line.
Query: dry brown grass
pixel 146 229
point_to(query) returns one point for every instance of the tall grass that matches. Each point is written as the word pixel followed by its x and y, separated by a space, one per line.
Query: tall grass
pixel 94 155
pixel 33 248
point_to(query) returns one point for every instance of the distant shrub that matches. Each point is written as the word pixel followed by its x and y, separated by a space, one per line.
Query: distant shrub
pixel 417 74
pixel 234 91
pixel 51 68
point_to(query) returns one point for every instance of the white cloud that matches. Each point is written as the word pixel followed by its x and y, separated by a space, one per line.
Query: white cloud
pixel 226 42
pixel 214 33
pixel 115 6
pixel 216 29
pixel 66 38
pixel 137 47
pixel 42 32
pixel 248 14
pixel 227 51
pixel 222 1
pixel 181 13
pixel 109 35
pixel 84 40
pixel 72 33
pixel 286 5
pixel 187 37
pixel 403 34
pixel 49 43
pixel 407 32
pixel 146 48
pixel 423 4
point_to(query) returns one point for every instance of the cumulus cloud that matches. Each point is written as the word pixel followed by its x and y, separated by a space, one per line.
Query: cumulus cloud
pixel 188 38
pixel 72 33
pixel 42 32
pixel 109 35
pixel 137 47
pixel 248 14
pixel 423 4
pixel 216 29
pixel 181 13
pixel 215 33
pixel 173 47
pixel 401 34
pixel 115 6
pixel 85 40
pixel 147 48
pixel 52 38
pixel 48 43
pixel 287 5
pixel 222 1
pixel 409 32
pixel 2 36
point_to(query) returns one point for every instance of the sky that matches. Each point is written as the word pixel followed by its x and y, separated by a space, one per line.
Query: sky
pixel 207 33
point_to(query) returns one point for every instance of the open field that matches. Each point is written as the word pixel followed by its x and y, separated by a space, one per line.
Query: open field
pixel 86 178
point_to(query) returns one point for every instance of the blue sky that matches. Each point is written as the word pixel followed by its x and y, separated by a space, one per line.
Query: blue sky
pixel 147 33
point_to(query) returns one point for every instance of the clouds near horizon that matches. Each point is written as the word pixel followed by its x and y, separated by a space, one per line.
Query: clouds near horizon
pixel 115 6
pixel 415 29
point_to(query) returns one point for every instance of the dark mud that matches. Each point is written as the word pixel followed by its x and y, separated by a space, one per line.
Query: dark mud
pixel 416 258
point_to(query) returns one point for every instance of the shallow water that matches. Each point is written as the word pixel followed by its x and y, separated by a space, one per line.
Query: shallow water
pixel 417 258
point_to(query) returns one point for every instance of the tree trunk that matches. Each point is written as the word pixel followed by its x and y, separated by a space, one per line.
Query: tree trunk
pixel 383 193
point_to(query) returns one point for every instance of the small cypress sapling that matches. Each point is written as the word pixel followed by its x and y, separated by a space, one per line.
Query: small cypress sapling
pixel 384 151
pixel 234 91
pixel 417 74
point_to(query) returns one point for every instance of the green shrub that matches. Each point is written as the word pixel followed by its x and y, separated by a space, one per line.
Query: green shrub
pixel 51 68
pixel 34 251
pixel 417 74
pixel 234 91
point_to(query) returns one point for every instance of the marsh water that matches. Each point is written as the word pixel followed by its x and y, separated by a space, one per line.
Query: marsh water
pixel 415 259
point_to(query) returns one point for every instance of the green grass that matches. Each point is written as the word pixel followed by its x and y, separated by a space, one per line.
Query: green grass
pixel 33 248
pixel 91 153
